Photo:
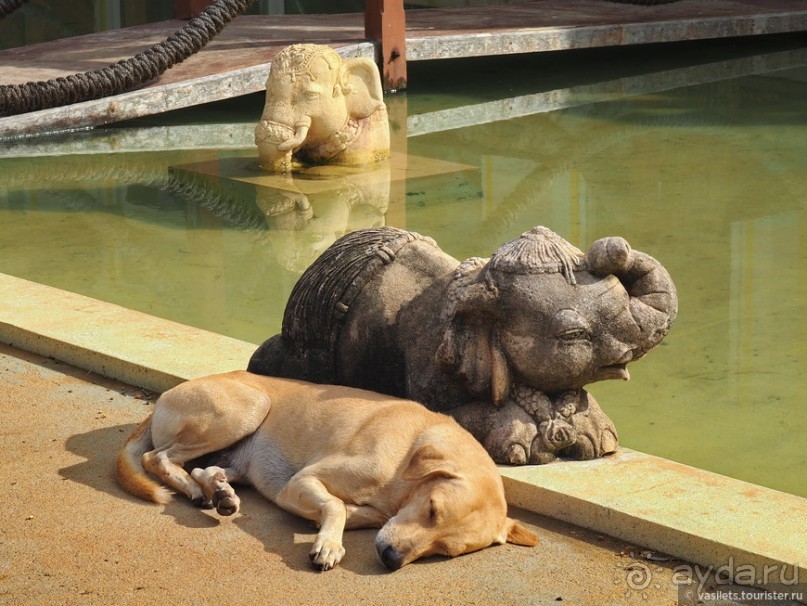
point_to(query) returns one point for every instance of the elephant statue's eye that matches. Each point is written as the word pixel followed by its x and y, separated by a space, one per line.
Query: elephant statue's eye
pixel 574 334
pixel 569 326
pixel 311 95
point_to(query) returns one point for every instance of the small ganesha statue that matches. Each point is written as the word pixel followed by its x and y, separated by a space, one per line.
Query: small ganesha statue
pixel 321 109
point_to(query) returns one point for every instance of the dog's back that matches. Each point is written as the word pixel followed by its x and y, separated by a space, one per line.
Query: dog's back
pixel 288 422
pixel 309 422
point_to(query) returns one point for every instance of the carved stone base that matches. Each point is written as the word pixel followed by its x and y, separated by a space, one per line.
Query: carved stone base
pixel 537 428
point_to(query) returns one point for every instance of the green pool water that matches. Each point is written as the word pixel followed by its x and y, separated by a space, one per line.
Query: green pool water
pixel 697 154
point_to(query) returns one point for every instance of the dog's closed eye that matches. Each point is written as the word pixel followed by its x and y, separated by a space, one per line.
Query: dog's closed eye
pixel 434 512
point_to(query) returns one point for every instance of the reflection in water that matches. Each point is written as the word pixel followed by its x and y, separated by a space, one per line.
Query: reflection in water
pixel 708 178
pixel 308 211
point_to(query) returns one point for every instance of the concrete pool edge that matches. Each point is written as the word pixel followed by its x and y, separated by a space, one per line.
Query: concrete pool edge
pixel 699 516
pixel 711 520
pixel 116 342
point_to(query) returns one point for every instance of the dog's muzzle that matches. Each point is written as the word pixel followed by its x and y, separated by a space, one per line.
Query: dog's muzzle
pixel 389 556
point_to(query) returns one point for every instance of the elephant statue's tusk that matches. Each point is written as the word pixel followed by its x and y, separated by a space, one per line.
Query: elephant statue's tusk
pixel 300 133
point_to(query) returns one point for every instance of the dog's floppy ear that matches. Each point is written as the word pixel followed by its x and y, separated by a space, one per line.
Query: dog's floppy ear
pixel 428 460
pixel 518 534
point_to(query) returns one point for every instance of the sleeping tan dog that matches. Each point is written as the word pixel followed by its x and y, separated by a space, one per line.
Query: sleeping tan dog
pixel 343 457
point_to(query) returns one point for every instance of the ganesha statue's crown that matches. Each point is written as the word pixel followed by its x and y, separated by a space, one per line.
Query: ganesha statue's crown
pixel 539 251
pixel 296 59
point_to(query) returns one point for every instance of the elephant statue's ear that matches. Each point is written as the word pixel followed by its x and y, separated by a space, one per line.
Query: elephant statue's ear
pixel 470 349
pixel 361 84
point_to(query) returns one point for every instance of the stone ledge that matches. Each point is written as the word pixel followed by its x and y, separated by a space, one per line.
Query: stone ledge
pixel 696 515
pixel 119 343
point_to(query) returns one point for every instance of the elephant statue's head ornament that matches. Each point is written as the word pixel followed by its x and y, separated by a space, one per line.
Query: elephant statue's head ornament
pixel 505 344
pixel 321 109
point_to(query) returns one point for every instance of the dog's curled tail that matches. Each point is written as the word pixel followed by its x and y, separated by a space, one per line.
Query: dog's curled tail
pixel 129 471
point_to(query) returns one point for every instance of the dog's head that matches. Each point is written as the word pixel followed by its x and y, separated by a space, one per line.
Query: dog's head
pixel 455 504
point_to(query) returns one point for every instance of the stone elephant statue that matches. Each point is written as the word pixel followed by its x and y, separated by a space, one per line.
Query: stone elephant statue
pixel 505 345
pixel 321 109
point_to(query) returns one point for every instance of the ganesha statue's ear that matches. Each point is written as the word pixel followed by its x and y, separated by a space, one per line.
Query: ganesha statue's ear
pixel 362 87
pixel 470 348
pixel 368 121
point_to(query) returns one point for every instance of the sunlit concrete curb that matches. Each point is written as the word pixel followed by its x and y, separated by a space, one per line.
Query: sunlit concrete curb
pixel 116 342
pixel 699 516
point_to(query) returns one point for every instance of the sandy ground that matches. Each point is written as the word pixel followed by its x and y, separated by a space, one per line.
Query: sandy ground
pixel 69 535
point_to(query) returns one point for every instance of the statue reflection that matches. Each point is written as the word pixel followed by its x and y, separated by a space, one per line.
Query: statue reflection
pixel 308 211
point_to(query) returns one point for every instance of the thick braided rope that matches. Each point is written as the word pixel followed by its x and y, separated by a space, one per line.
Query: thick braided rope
pixel 9 6
pixel 126 74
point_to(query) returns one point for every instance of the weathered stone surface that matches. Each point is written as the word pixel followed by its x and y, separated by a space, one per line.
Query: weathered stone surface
pixel 504 344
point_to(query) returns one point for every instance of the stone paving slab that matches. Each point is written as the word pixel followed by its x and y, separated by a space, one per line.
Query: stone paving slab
pixel 705 517
pixel 118 343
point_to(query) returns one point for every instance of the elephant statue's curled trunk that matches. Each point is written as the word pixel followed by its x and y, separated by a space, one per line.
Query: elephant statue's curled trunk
pixel 277 143
pixel 300 132
pixel 653 298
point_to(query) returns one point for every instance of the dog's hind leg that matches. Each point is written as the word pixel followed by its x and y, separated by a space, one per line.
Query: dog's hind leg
pixel 215 483
pixel 166 463
pixel 306 496
pixel 200 417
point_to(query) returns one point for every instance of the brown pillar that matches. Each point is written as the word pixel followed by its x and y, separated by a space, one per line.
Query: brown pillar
pixel 186 9
pixel 385 23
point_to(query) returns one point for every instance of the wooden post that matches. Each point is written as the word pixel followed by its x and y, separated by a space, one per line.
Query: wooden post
pixel 187 9
pixel 385 23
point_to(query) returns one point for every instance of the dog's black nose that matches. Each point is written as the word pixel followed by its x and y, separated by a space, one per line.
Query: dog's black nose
pixel 391 557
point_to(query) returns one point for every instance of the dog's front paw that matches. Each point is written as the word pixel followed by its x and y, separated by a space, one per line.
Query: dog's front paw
pixel 202 502
pixel 326 553
pixel 226 501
